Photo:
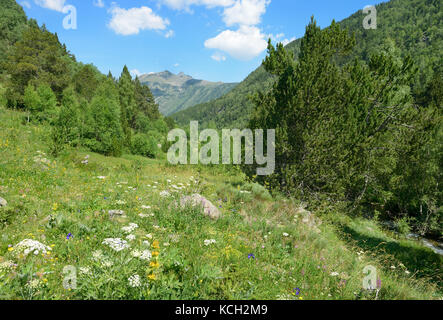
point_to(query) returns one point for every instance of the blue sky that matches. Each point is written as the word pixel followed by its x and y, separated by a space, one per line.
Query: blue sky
pixel 216 40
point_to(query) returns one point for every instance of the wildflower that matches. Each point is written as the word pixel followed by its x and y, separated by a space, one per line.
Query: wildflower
pixel 69 236
pixel 149 236
pixel 10 249
pixel 116 244
pixel 209 242
pixel 154 264
pixel 407 272
pixel 146 207
pixel 27 246
pixel 134 281
pixel 251 256
pixel 131 227
pixel 155 253
pixel 85 271
pixel 156 244
pixel 285 234
pixel 393 267
pixel 297 291
pixel 151 277
pixel 165 194
pixel 378 283
pixel 130 237
pixel 34 284
pixel 334 274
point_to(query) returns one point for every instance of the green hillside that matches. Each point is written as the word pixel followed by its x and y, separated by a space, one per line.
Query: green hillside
pixel 415 26
pixel 175 93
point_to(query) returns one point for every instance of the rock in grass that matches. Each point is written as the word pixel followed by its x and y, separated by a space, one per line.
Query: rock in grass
pixel 197 200
pixel 3 202
pixel 115 213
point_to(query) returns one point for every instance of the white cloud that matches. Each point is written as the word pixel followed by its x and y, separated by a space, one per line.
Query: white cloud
pixel 25 4
pixel 131 21
pixel 56 5
pixel 169 34
pixel 245 12
pixel 218 57
pixel 186 4
pixel 99 3
pixel 244 44
pixel 176 65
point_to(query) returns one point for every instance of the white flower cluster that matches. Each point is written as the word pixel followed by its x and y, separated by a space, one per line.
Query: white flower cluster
pixel 99 257
pixel 34 284
pixel 131 227
pixel 209 242
pixel 134 281
pixel 116 244
pixel 85 271
pixel 165 194
pixel 130 237
pixel 27 246
pixel 142 255
pixel 7 266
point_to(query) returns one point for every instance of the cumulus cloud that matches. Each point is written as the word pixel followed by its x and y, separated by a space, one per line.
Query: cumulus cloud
pixel 244 44
pixel 218 57
pixel 56 5
pixel 245 12
pixel 132 21
pixel 98 3
pixel 169 34
pixel 186 4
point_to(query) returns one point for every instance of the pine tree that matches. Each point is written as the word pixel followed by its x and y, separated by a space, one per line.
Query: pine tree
pixel 128 105
pixel 65 130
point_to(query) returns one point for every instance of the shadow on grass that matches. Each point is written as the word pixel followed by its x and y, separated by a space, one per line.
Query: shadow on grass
pixel 421 261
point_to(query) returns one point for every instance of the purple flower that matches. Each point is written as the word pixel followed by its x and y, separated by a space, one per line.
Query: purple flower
pixel 297 291
pixel 378 283
pixel 251 256
pixel 69 236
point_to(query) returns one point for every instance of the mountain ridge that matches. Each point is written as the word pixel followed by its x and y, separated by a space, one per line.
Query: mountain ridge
pixel 177 92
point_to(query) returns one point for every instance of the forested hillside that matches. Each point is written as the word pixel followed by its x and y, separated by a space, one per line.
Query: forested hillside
pixel 414 27
pixel 176 92
pixel 83 107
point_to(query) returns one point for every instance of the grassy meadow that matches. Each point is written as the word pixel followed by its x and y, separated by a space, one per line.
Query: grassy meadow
pixel 263 246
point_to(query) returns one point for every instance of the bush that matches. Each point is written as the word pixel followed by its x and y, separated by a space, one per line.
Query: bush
pixel 144 145
pixel 402 226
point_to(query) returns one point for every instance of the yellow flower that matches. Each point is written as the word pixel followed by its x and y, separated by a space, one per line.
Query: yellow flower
pixel 154 264
pixel 155 253
pixel 151 277
pixel 156 244
pixel 55 207
pixel 10 249
pixel 301 298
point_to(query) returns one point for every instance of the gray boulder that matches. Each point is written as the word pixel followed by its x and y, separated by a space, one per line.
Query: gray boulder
pixel 116 213
pixel 195 200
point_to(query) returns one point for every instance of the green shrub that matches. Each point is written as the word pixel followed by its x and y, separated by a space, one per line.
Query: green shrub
pixel 403 226
pixel 144 145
